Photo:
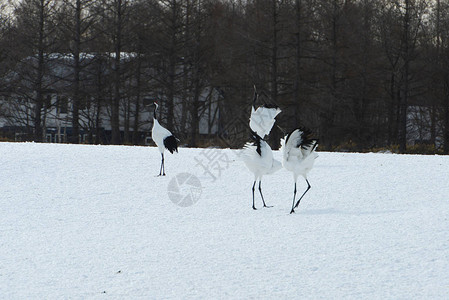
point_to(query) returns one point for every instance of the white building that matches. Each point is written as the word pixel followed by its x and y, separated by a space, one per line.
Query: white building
pixel 17 103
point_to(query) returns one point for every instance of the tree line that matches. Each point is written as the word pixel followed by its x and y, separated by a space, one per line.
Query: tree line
pixel 361 73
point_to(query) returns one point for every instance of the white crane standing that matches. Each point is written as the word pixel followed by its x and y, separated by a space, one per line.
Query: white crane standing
pixel 258 158
pixel 163 138
pixel 257 155
pixel 298 151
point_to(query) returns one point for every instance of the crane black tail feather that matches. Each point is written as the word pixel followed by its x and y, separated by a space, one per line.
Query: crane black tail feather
pixel 171 143
pixel 306 141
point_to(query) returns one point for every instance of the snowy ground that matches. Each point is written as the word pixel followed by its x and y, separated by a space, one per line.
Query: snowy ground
pixel 94 222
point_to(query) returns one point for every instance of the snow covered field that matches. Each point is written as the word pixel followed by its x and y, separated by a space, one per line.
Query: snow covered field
pixel 82 222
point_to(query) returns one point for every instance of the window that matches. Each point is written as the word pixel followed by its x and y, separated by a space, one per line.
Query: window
pixel 63 104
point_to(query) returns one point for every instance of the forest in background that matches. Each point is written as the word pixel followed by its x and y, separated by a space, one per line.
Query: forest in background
pixel 361 74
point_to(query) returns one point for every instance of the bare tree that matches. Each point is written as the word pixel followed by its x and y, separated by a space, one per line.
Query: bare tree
pixel 36 36
pixel 5 27
pixel 74 23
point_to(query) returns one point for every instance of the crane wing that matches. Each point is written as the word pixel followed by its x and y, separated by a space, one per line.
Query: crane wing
pixel 259 155
pixel 262 119
pixel 298 143
pixel 171 143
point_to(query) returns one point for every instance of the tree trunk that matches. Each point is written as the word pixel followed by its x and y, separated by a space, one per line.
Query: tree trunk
pixel 274 70
pixel 38 132
pixel 446 116
pixel 404 97
pixel 135 138
pixel 77 70
pixel 296 100
pixel 115 110
pixel 172 66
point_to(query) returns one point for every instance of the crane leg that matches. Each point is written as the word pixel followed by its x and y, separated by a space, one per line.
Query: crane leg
pixel 308 188
pixel 260 191
pixel 294 196
pixel 253 194
pixel 162 166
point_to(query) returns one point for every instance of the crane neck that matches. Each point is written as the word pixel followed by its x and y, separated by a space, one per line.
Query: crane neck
pixel 257 141
pixel 254 99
